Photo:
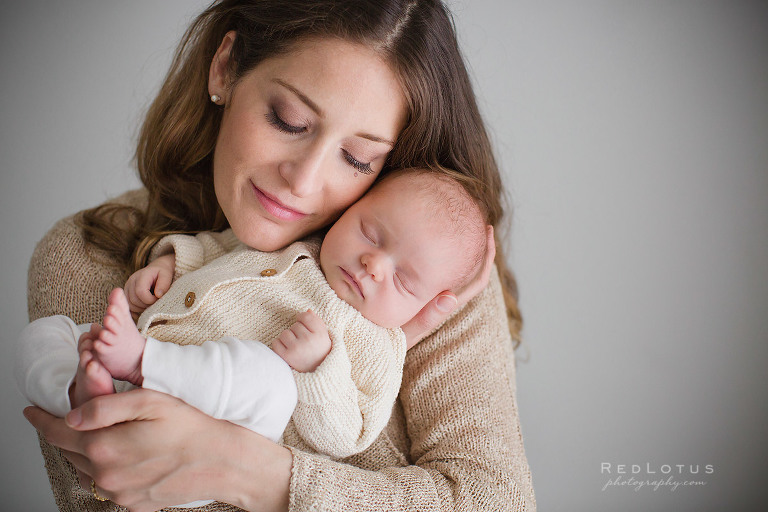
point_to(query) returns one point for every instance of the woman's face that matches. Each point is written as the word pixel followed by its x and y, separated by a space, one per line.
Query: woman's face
pixel 303 136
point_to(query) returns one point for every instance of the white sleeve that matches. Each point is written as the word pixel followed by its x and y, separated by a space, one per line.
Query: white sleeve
pixel 46 362
pixel 240 381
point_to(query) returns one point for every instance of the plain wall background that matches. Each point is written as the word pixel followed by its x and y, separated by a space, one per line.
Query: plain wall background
pixel 634 140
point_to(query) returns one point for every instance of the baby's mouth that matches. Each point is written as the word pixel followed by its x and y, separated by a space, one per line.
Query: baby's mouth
pixel 350 279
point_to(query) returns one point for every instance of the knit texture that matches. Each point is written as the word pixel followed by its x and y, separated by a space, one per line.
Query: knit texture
pixel 345 403
pixel 453 441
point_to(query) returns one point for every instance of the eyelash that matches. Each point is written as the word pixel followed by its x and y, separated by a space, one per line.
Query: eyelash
pixel 360 166
pixel 365 233
pixel 281 125
pixel 402 285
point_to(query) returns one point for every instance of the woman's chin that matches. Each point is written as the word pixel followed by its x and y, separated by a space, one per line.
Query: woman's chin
pixel 266 240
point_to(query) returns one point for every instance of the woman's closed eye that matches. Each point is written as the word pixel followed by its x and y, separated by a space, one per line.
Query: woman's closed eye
pixel 364 168
pixel 276 121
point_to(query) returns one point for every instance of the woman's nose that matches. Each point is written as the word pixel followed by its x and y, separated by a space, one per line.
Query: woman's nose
pixel 304 172
pixel 375 266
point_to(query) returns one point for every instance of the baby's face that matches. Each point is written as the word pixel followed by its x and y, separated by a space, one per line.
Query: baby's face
pixel 388 256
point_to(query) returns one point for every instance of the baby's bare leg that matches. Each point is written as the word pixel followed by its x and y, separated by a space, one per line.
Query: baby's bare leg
pixel 120 345
pixel 91 379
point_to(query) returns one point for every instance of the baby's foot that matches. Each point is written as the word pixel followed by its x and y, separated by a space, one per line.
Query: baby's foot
pixel 120 345
pixel 91 378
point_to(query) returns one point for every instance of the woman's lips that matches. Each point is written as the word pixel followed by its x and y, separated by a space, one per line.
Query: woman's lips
pixel 275 207
pixel 352 281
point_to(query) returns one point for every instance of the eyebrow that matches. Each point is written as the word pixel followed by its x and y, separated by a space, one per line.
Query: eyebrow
pixel 317 110
pixel 303 97
pixel 374 138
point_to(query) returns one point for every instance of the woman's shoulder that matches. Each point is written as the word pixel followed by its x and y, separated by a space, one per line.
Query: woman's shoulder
pixel 67 277
pixel 66 236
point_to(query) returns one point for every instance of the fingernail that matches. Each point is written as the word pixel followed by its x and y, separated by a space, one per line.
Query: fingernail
pixel 446 303
pixel 73 418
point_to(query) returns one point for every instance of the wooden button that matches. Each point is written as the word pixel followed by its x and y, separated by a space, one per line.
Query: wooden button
pixel 189 299
pixel 268 272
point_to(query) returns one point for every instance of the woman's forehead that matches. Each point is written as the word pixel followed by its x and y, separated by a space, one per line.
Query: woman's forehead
pixel 339 80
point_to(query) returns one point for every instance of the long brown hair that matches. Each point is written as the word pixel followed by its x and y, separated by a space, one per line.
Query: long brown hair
pixel 175 147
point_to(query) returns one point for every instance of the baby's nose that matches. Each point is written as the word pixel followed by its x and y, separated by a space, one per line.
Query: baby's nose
pixel 374 266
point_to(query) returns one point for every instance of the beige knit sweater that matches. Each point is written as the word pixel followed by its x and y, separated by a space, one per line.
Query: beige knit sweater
pixel 453 441
pixel 224 288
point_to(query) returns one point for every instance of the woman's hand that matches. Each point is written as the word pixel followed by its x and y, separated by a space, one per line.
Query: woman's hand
pixel 440 308
pixel 146 450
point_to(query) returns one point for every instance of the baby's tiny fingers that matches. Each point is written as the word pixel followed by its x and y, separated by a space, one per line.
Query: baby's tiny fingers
pixel 144 286
pixel 135 305
pixel 300 331
pixel 311 321
pixel 287 338
pixel 163 283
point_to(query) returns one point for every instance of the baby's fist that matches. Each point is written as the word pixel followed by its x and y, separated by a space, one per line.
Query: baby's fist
pixel 305 344
pixel 146 285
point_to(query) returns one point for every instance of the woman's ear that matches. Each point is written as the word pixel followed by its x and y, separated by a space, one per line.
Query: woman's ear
pixel 218 74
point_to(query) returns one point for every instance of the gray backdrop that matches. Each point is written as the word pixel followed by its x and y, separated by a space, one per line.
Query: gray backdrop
pixel 634 140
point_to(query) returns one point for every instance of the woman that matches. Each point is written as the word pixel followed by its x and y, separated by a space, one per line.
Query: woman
pixel 275 116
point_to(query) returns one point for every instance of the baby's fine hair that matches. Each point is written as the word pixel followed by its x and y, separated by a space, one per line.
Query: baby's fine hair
pixel 450 201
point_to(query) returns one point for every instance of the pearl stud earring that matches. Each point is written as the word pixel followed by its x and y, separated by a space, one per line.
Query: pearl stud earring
pixel 215 98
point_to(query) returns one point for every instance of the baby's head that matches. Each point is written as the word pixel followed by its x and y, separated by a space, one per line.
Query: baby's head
pixel 415 234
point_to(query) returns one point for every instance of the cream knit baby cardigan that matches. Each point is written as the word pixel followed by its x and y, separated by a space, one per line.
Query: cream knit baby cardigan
pixel 224 288
pixel 453 441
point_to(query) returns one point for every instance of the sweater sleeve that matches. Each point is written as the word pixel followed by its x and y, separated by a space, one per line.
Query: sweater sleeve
pixel 194 251
pixel 466 451
pixel 343 406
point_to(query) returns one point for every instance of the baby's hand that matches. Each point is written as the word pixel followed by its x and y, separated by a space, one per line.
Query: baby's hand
pixel 305 344
pixel 148 284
